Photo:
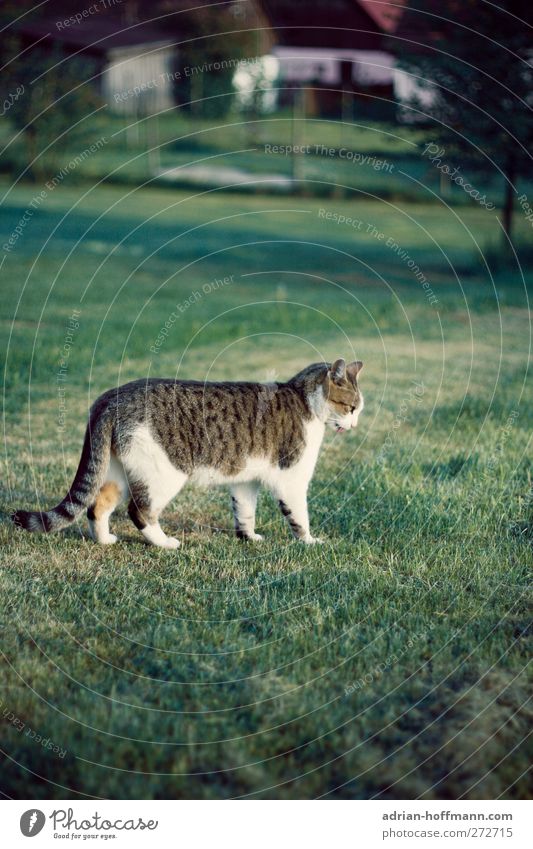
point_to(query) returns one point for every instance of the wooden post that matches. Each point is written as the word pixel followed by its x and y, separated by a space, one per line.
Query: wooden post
pixel 297 134
pixel 154 158
pixel 508 199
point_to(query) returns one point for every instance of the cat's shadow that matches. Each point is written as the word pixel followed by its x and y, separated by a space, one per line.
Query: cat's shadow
pixel 78 532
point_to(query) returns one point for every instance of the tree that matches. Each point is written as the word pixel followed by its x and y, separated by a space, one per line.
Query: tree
pixel 212 40
pixel 41 95
pixel 475 57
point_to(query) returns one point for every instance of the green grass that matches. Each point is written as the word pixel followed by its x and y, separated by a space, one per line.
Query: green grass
pixel 390 662
pixel 395 168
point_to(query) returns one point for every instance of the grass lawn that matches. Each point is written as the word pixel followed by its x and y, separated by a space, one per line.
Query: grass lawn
pixel 382 160
pixel 390 662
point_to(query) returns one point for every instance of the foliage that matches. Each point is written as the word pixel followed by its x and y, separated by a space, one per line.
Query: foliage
pixel 475 58
pixel 211 41
pixel 52 104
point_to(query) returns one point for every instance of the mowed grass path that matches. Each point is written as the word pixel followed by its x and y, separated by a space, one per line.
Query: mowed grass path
pixel 390 662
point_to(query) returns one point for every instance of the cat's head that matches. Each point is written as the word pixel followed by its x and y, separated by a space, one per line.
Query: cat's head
pixel 344 400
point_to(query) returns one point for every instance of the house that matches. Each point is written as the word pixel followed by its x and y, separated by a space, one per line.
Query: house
pixel 134 63
pixel 152 54
pixel 335 48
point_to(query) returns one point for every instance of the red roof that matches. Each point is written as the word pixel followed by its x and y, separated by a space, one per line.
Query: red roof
pixel 386 13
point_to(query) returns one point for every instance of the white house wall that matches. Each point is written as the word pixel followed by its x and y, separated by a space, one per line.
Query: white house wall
pixel 409 90
pixel 309 64
pixel 138 81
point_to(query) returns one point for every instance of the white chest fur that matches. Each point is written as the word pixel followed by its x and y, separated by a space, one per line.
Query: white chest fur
pixel 314 434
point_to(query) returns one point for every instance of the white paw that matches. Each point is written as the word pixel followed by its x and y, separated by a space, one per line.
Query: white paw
pixel 171 542
pixel 109 539
pixel 313 541
pixel 154 535
pixel 255 537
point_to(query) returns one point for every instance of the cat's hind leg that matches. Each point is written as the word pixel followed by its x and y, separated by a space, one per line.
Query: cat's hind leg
pixel 244 502
pixel 153 482
pixel 110 495
pixel 144 510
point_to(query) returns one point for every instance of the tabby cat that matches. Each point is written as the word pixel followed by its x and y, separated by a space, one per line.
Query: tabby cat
pixel 146 439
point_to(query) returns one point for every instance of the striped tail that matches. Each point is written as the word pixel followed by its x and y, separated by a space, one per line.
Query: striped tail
pixel 93 465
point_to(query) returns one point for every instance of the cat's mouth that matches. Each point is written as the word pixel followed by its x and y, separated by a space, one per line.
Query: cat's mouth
pixel 340 429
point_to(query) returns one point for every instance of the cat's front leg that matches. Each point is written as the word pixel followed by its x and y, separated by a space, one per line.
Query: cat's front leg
pixel 244 502
pixel 292 500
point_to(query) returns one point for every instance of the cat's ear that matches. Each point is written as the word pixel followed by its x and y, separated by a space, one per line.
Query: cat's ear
pixel 353 370
pixel 338 370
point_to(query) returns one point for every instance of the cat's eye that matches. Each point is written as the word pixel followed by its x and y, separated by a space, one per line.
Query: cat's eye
pixel 352 409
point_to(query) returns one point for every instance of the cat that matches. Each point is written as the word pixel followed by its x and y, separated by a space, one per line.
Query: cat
pixel 146 439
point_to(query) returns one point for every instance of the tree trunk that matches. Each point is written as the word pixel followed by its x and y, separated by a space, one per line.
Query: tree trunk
pixel 31 142
pixel 508 203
